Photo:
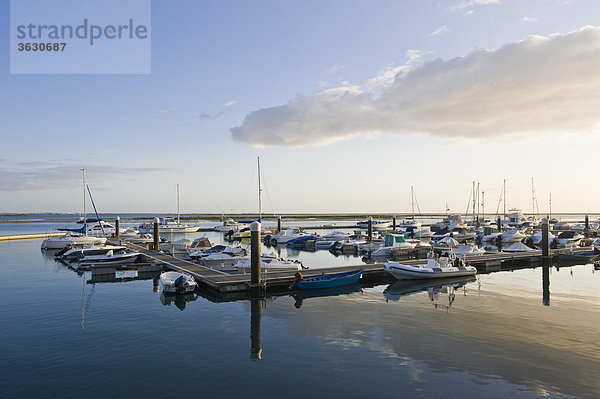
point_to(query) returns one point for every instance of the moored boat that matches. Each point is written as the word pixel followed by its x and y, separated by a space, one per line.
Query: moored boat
pixel 434 268
pixel 176 282
pixel 327 280
pixel 110 258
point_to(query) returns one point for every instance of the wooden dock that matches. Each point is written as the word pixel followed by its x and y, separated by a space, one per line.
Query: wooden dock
pixel 228 283
pixel 30 236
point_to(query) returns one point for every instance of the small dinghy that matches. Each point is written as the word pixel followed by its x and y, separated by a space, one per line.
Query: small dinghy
pixel 434 268
pixel 327 280
pixel 177 283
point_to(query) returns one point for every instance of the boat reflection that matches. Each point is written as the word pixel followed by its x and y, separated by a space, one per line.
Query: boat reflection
pixel 300 296
pixel 402 288
pixel 180 300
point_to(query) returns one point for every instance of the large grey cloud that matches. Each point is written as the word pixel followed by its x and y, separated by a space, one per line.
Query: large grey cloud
pixel 535 86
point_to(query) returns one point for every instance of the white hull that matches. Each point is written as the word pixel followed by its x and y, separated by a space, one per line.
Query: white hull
pixel 410 272
pixel 63 242
pixel 109 260
pixel 167 281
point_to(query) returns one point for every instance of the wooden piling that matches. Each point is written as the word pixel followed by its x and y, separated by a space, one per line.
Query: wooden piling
pixel 587 225
pixel 499 223
pixel 156 234
pixel 255 277
pixel 545 241
pixel 278 224
pixel 117 224
pixel 394 223
pixel 370 229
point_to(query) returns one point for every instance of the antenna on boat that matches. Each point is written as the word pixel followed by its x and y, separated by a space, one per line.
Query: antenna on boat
pixel 259 194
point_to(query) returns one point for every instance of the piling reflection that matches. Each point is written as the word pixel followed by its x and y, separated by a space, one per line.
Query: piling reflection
pixel 546 285
pixel 255 320
pixel 179 300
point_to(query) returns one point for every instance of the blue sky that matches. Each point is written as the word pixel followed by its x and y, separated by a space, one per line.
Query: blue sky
pixel 250 65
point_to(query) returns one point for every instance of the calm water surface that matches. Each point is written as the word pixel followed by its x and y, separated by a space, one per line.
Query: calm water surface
pixel 496 336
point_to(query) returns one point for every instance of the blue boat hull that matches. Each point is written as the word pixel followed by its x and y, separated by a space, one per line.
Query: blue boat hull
pixel 330 280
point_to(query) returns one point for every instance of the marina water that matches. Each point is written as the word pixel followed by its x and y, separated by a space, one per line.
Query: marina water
pixel 511 333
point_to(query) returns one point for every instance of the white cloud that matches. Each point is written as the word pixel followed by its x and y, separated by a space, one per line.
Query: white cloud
pixel 335 68
pixel 528 19
pixel 472 3
pixel 229 103
pixel 536 86
pixel 439 31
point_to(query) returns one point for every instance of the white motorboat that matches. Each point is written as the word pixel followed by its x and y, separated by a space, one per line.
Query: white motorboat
pixel 536 238
pixel 518 247
pixel 463 250
pixel 271 263
pixel 177 283
pixel 512 236
pixel 285 235
pixel 140 239
pixel 87 250
pixel 229 224
pixel 434 268
pixel 110 258
pixel 335 236
pixel 515 218
pixel 420 232
pixel 72 239
pixel 448 242
pixel 377 224
pixel 464 235
pixel 224 260
pixel 101 229
pixel 199 244
pixel 392 242
pixel 568 239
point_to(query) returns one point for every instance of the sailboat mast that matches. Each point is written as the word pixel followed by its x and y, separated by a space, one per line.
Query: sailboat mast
pixel 477 201
pixel 483 205
pixel 259 193
pixel 177 203
pixel 412 201
pixel 532 199
pixel 550 202
pixel 474 199
pixel 504 197
pixel 84 212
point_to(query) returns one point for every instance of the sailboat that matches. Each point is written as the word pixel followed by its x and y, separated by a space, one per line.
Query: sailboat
pixel 411 222
pixel 169 224
pixel 245 232
pixel 74 237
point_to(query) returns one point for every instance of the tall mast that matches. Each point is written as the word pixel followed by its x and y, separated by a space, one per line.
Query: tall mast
pixel 549 216
pixel 177 203
pixel 483 204
pixel 84 213
pixel 478 202
pixel 504 197
pixel 259 193
pixel 473 199
pixel 532 199
pixel 412 201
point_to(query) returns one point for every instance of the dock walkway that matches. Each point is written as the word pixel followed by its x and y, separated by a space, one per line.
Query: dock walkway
pixel 228 282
